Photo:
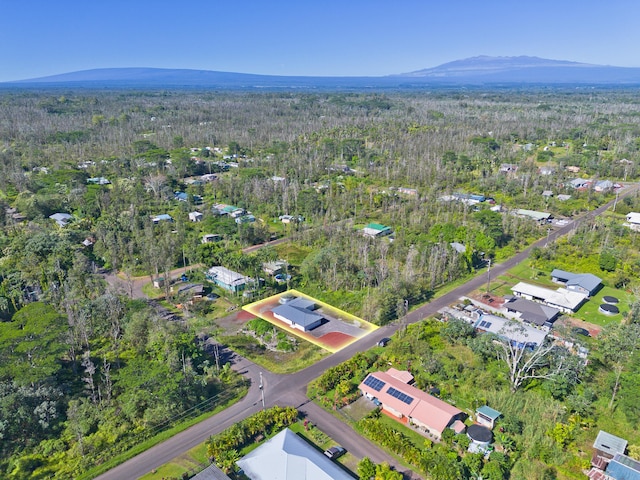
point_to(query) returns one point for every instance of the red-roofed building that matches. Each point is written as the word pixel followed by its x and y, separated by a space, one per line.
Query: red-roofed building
pixel 407 402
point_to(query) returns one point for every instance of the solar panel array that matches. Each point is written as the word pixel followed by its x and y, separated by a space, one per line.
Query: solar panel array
pixel 484 324
pixel 403 397
pixel 374 383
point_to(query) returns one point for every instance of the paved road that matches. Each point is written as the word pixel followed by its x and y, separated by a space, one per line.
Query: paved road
pixel 291 389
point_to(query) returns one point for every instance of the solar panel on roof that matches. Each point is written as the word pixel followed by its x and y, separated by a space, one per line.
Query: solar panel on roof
pixel 485 324
pixel 374 383
pixel 403 397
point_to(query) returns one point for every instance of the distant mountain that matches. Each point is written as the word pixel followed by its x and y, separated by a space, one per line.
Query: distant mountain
pixel 524 69
pixel 481 70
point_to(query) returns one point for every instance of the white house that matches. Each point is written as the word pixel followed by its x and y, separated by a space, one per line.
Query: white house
pixel 564 300
pixel 633 220
pixel 195 216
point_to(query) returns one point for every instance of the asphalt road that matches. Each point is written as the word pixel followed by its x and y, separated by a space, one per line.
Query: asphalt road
pixel 291 389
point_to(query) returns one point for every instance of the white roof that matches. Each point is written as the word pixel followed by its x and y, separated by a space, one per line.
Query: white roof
pixel 288 457
pixel 227 276
pixel 561 297
pixel 633 217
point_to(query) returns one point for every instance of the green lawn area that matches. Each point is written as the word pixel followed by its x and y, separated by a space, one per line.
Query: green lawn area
pixel 277 362
pixel 151 292
pixel 295 254
pixel 193 461
pixel 589 311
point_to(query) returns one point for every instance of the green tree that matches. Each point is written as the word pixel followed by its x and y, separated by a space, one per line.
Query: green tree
pixel 366 469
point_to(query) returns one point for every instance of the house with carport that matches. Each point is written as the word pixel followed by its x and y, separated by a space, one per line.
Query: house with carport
pixel 298 313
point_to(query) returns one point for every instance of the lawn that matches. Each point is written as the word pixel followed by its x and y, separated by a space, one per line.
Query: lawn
pixel 589 311
pixel 191 461
pixel 277 362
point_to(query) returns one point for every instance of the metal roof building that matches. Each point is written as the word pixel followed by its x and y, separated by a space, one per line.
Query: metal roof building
pixel 288 457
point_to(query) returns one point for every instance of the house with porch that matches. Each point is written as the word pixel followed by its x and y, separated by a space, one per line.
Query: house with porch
pixel 409 404
pixel 518 334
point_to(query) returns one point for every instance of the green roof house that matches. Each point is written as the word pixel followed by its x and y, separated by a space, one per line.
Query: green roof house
pixel 374 230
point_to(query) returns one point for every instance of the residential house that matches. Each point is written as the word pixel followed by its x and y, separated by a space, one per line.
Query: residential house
pixel 298 312
pixel 410 404
pixel 164 217
pixel 195 216
pixel 531 312
pixel 563 197
pixel 212 472
pixel 273 268
pixel 519 334
pixel 573 169
pixel 585 283
pixel 211 238
pixel 564 300
pixel 540 217
pixel 98 181
pixel 622 467
pixel 633 220
pixel 508 168
pixel 247 218
pixel 408 191
pixel 487 416
pixel 180 196
pixel 227 279
pixel 374 230
pixel 547 194
pixel 291 218
pixel 580 183
pixel 458 247
pixel 609 461
pixel 194 291
pixel 287 456
pixel 603 186
pixel 62 219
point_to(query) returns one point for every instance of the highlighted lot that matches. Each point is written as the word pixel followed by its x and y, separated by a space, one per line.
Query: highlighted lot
pixel 312 320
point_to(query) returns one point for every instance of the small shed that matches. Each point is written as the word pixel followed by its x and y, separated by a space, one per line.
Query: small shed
pixel 487 416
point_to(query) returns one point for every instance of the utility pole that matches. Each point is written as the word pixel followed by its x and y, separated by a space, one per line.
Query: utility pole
pixel 262 390
pixel 488 274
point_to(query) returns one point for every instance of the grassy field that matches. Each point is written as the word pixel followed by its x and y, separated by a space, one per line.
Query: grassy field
pixel 277 362
pixel 588 312
pixel 191 461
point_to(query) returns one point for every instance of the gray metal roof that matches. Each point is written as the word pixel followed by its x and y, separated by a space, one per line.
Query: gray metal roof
pixel 297 315
pixel 532 312
pixel 609 443
pixel 288 457
pixel 585 280
pixel 212 472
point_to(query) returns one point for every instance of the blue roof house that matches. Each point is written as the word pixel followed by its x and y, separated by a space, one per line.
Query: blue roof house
pixel 586 283
pixel 299 314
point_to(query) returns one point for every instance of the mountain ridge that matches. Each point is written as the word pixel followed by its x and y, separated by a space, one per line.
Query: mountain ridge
pixel 474 70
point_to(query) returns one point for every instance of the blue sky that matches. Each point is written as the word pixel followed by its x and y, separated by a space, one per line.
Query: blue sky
pixel 328 37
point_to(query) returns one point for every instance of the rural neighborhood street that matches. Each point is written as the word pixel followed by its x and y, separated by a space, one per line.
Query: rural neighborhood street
pixel 291 389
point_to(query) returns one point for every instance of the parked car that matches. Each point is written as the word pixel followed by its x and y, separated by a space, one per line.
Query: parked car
pixel 384 341
pixel 334 452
